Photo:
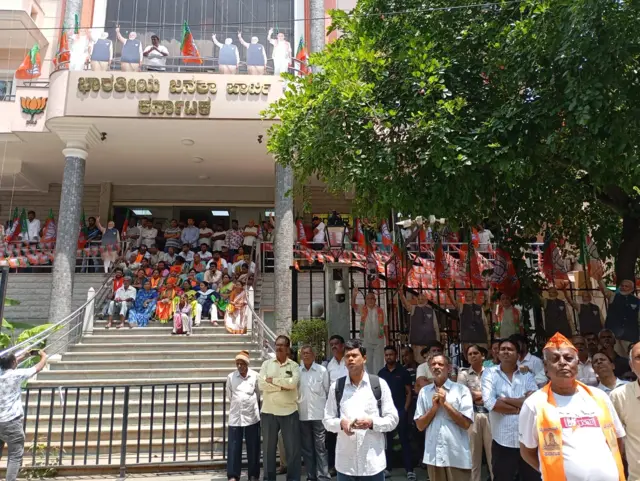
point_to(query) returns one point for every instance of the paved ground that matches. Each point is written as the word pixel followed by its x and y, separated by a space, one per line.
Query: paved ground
pixel 396 475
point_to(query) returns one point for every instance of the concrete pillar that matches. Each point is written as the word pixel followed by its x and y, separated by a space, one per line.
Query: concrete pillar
pixel 337 314
pixel 282 248
pixel 318 27
pixel 78 140
pixel 72 8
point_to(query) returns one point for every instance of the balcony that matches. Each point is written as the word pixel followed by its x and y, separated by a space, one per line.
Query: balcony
pixel 20 24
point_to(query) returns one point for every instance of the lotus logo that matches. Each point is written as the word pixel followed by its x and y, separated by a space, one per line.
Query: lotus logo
pixel 33 106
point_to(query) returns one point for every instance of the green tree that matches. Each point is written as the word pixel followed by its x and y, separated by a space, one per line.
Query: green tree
pixel 526 113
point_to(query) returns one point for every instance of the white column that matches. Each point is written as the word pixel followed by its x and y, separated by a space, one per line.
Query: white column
pixel 283 249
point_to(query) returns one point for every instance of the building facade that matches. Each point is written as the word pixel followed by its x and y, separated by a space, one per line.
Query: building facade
pixel 98 136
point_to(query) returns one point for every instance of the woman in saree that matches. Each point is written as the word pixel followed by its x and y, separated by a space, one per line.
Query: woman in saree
pixel 198 265
pixel 182 316
pixel 156 280
pixel 226 286
pixel 235 317
pixel 164 308
pixel 139 279
pixel 144 306
pixel 162 267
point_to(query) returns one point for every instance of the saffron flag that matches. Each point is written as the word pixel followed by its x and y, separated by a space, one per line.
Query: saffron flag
pixel 387 240
pixel 49 235
pixel 24 226
pixel 31 66
pixel 359 237
pixel 504 277
pixel 552 263
pixel 443 270
pixel 188 47
pixel 472 273
pixel 302 236
pixel 63 55
pixel 125 225
pixel 475 237
pixel 14 231
pixel 589 257
pixel 302 57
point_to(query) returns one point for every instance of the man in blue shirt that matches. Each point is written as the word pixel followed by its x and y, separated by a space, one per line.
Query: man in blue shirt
pixel 190 235
pixel 399 381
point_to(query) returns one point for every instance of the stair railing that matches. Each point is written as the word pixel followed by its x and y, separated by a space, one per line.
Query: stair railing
pixel 65 333
pixel 260 332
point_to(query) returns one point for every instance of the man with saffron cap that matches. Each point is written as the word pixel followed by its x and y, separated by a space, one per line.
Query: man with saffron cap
pixel 569 430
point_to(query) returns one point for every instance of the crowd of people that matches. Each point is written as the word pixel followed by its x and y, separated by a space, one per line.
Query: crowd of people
pixel 198 274
pixel 561 417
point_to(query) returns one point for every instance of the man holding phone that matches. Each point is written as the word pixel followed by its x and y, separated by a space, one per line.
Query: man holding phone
pixel 11 412
pixel 360 410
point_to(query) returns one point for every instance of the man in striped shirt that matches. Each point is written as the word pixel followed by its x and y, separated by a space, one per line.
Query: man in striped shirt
pixel 504 390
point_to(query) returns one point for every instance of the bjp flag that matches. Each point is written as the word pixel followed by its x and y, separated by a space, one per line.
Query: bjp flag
pixel 63 55
pixel 188 47
pixel 31 66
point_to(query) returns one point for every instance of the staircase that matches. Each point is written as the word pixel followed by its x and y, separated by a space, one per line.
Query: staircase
pixel 135 397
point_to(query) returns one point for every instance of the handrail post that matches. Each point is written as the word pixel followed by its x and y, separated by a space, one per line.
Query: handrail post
pixel 123 437
pixel 87 325
pixel 250 301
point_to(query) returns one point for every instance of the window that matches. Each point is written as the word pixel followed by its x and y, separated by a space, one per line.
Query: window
pixel 7 85
pixel 141 211
pixel 220 213
pixel 205 17
pixel 269 213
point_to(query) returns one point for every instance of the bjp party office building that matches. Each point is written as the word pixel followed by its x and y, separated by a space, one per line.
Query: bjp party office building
pixel 125 122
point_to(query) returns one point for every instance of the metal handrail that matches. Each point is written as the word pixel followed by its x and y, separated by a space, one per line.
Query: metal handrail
pixel 260 332
pixel 34 341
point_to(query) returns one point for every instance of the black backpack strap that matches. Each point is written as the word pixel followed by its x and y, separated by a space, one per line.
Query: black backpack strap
pixel 377 391
pixel 339 391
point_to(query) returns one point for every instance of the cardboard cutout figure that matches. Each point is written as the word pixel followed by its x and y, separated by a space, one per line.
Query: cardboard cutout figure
pixel 229 57
pixel 101 53
pixel 131 55
pixel 256 55
pixel 79 46
pixel 281 53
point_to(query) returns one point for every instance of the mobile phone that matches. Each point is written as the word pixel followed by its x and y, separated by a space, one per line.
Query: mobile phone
pixel 34 353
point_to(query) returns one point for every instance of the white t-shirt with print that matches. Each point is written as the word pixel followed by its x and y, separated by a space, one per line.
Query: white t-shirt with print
pixel 250 239
pixel 587 456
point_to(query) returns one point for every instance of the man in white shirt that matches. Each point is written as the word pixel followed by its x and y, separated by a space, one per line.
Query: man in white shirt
pixel 312 397
pixel 148 233
pixel 360 419
pixel 423 373
pixel 244 419
pixel 603 366
pixel 155 55
pixel 33 229
pixel 186 253
pixel 205 234
pixel 319 236
pixel 445 411
pixel 504 390
pixel 122 301
pixel 220 263
pixel 336 369
pixel 527 362
pixel 250 233
pixel 568 431
pixel 484 239
pixel 11 412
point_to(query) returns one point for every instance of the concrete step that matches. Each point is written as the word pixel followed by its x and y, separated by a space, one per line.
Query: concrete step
pixel 120 365
pixel 134 375
pixel 156 328
pixel 194 344
pixel 145 337
pixel 106 354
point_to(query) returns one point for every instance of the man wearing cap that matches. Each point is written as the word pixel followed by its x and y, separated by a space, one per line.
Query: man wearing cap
pixel 122 302
pixel 569 430
pixel 244 419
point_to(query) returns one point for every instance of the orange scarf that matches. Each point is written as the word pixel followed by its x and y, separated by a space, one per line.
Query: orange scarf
pixel 155 282
pixel 363 319
pixel 500 316
pixel 548 423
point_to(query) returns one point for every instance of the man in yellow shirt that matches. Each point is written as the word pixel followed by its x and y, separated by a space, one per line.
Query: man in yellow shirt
pixel 278 382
